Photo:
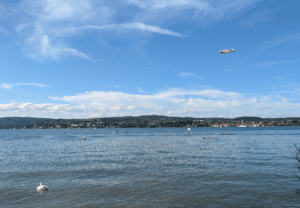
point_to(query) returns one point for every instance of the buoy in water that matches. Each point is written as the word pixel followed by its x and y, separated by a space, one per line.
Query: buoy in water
pixel 42 187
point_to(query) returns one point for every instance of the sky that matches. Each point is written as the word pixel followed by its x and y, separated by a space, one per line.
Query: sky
pixel 96 58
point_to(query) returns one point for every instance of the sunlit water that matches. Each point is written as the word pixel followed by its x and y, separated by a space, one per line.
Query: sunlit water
pixel 250 167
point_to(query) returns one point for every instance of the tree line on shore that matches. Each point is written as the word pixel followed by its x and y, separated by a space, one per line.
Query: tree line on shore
pixel 151 121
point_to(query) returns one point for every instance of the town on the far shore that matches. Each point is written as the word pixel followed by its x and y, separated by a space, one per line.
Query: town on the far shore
pixel 166 124
pixel 152 121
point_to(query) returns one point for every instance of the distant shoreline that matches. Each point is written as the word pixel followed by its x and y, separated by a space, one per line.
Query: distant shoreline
pixel 151 121
pixel 146 128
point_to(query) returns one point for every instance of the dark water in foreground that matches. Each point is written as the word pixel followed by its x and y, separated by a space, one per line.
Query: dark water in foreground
pixel 251 167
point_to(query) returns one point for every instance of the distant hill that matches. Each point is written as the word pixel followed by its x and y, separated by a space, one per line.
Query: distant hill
pixel 29 122
pixel 132 121
pixel 20 122
pixel 152 117
pixel 247 118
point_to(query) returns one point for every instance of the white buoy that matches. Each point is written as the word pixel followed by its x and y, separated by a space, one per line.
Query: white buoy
pixel 42 187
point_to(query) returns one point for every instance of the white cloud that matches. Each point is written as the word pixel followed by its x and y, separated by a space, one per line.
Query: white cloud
pixel 44 108
pixel 268 63
pixel 76 53
pixel 21 27
pixel 116 108
pixel 132 107
pixel 149 28
pixel 47 27
pixel 204 11
pixel 257 18
pixel 40 47
pixel 43 21
pixel 9 86
pixel 139 89
pixel 127 26
pixel 279 40
pixel 175 102
pixel 6 86
pixel 189 74
pixel 132 26
pixel 177 112
pixel 156 109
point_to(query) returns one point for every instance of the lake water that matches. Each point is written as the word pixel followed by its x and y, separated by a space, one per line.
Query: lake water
pixel 162 167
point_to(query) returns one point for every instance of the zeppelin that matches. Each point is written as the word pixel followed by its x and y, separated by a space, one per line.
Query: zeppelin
pixel 227 51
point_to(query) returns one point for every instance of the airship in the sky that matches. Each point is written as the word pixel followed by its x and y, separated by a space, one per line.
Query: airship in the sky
pixel 226 51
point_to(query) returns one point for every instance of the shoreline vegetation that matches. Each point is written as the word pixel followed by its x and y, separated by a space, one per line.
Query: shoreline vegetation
pixel 151 121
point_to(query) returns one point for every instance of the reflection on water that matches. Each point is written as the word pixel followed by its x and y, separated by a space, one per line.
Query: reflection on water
pixel 249 167
pixel 42 191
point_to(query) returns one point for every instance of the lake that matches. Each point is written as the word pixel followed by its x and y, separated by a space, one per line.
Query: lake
pixel 159 167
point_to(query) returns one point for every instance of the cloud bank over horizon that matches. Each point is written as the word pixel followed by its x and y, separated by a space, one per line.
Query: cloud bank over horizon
pixel 171 102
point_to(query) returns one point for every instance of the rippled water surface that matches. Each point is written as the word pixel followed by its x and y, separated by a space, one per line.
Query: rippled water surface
pixel 250 167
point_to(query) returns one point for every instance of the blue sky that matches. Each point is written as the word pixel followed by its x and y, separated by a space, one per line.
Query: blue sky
pixel 86 58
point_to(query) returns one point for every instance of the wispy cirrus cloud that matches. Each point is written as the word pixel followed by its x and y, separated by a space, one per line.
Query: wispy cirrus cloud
pixel 189 74
pixel 40 47
pixel 258 18
pixel 132 26
pixel 47 27
pixel 9 86
pixel 140 90
pixel 279 40
pixel 205 12
pixel 267 63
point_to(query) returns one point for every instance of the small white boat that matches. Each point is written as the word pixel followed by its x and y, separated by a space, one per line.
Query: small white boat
pixel 14 128
pixel 42 187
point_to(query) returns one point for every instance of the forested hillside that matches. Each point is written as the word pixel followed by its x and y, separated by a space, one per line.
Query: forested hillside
pixel 20 122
